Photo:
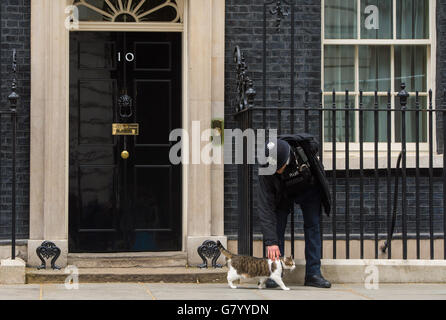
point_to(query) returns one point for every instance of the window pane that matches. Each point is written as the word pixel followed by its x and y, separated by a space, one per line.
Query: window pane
pixel 88 14
pixel 374 68
pixel 412 19
pixel 369 119
pixel 376 19
pixel 340 119
pixel 340 19
pixel 339 68
pixel 411 121
pixel 411 67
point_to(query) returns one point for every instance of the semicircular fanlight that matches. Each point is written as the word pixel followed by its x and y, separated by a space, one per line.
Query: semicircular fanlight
pixel 131 10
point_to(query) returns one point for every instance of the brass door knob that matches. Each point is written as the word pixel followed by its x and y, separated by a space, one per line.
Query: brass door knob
pixel 125 154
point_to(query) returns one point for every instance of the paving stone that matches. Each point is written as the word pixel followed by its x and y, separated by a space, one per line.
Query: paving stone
pixel 108 291
pixel 20 292
pixel 201 292
pixel 165 291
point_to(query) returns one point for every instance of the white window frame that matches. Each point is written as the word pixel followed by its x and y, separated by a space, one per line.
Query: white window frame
pixel 431 84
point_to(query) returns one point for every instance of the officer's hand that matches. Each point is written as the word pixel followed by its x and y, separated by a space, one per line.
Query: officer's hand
pixel 273 252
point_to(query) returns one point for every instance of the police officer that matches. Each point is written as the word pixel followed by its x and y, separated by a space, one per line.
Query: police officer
pixel 279 192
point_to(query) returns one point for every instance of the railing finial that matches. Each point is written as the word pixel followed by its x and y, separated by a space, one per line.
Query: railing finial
pixel 281 13
pixel 14 97
pixel 245 86
pixel 403 95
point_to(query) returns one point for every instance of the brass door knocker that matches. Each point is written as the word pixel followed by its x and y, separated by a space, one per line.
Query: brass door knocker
pixel 125 104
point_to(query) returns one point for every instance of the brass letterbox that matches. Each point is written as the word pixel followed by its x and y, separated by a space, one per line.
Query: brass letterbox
pixel 125 129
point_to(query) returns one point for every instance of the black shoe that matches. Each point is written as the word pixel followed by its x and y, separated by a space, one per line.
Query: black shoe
pixel 271 284
pixel 317 281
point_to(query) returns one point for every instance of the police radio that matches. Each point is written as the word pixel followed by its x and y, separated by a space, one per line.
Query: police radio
pixel 297 176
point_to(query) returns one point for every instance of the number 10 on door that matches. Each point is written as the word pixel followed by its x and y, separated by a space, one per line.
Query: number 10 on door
pixel 129 57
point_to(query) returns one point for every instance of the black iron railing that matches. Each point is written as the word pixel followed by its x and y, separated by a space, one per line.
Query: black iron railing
pixel 9 133
pixel 378 198
pixel 386 214
pixel 396 203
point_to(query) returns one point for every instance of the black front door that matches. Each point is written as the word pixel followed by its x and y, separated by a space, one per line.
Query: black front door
pixel 124 194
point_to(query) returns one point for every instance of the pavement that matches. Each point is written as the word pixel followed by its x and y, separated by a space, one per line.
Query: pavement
pixel 165 291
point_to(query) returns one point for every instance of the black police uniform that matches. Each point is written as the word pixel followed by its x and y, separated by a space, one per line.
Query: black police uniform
pixel 276 199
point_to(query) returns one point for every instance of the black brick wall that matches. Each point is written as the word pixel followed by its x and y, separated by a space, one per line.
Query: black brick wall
pixel 244 27
pixel 383 210
pixel 441 68
pixel 244 22
pixel 15 34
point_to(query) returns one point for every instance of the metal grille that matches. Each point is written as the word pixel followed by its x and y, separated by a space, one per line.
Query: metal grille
pixel 393 201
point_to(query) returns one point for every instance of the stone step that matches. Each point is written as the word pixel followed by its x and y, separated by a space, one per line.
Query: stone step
pixel 128 260
pixel 130 275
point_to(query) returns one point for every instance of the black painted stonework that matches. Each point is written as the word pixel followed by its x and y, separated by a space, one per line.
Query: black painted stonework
pixel 244 22
pixel 15 19
pixel 244 27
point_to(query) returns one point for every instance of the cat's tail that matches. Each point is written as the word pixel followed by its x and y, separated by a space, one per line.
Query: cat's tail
pixel 223 251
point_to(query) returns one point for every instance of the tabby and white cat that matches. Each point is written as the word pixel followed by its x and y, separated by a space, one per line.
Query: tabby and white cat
pixel 242 267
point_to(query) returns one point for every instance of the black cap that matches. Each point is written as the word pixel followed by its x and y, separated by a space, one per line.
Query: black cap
pixel 277 153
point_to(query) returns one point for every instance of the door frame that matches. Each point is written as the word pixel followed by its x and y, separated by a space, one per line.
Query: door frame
pixel 156 27
pixel 203 98
pixel 177 111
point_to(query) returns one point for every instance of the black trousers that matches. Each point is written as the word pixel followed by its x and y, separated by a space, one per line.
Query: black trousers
pixel 310 203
